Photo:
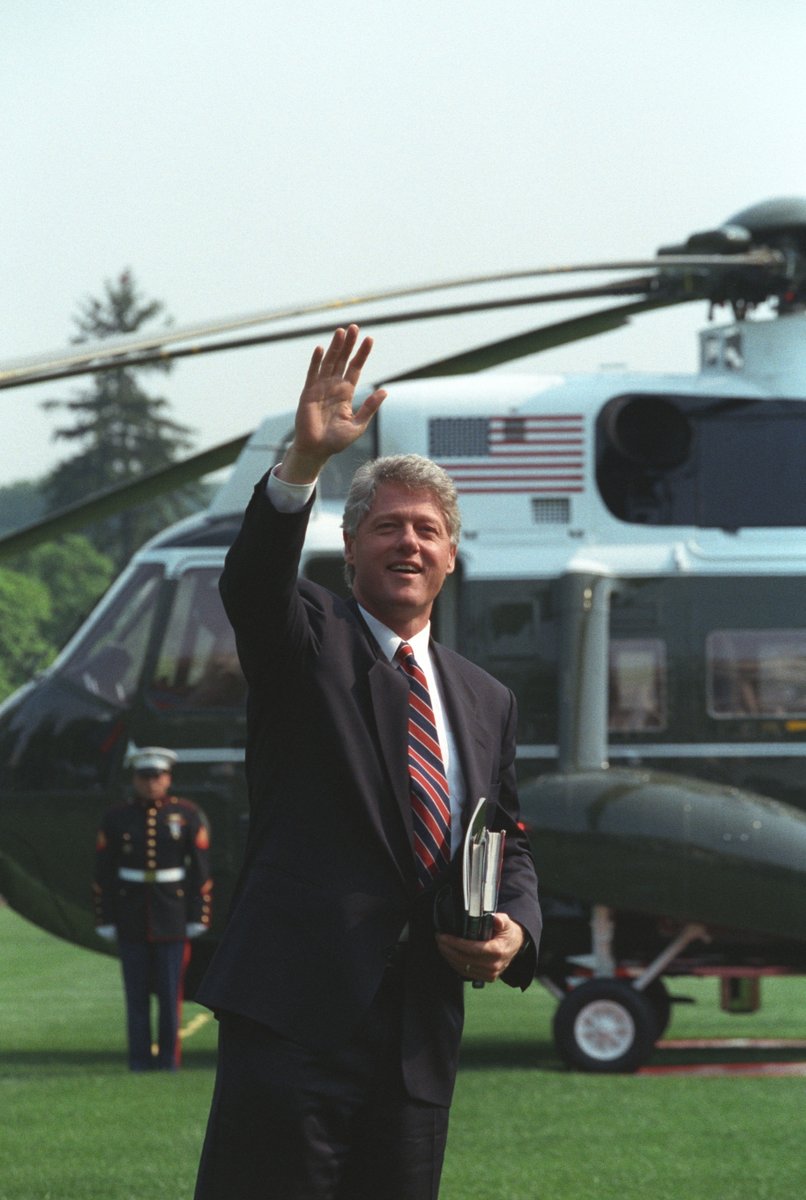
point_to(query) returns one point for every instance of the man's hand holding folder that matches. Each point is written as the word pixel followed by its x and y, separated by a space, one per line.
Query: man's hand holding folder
pixel 490 939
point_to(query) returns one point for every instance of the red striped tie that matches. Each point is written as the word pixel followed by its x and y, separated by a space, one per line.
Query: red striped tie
pixel 430 798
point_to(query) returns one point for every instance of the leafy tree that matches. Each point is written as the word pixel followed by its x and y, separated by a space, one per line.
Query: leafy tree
pixel 44 595
pixel 75 575
pixel 120 431
pixel 24 609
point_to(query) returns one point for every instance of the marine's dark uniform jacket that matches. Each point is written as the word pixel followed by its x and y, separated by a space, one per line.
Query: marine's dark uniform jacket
pixel 152 876
pixel 330 881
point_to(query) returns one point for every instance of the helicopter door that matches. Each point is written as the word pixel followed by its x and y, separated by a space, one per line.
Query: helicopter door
pixel 192 699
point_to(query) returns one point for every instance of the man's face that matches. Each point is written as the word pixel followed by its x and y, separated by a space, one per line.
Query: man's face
pixel 151 785
pixel 401 554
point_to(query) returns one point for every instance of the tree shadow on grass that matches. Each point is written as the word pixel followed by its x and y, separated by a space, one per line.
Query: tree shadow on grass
pixel 668 1055
pixel 514 1054
pixel 67 1062
pixel 501 1054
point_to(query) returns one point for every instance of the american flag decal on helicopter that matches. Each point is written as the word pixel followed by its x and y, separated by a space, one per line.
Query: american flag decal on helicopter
pixel 533 454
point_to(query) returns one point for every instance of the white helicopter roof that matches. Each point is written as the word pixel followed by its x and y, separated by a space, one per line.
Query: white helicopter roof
pixel 522 450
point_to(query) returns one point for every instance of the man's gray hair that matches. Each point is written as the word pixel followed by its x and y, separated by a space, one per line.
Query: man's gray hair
pixel 412 471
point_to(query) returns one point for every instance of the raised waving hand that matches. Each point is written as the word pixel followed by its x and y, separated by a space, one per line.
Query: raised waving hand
pixel 326 422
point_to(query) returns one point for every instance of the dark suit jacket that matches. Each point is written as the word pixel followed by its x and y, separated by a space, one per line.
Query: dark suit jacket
pixel 329 879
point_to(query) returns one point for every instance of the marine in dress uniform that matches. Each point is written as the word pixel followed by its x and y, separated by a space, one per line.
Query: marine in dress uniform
pixel 152 894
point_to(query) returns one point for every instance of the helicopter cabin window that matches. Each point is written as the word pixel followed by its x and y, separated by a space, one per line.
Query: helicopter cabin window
pixel 756 672
pixel 509 628
pixel 197 665
pixel 109 659
pixel 712 462
pixel 637 681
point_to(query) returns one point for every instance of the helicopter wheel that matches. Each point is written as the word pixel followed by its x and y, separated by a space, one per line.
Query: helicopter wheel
pixel 661 1004
pixel 605 1026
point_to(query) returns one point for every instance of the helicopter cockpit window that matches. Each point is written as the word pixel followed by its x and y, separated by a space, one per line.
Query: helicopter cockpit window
pixel 756 672
pixel 637 685
pixel 197 664
pixel 109 659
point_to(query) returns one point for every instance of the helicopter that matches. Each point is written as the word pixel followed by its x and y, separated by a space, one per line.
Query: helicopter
pixel 632 565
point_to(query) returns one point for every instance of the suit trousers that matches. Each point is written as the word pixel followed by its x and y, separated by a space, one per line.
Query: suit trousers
pixel 290 1123
pixel 157 967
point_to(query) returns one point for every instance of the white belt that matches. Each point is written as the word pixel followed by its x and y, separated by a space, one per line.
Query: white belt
pixel 167 875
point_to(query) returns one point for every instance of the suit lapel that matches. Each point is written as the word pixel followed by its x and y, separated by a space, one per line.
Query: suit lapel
pixel 390 700
pixel 389 695
pixel 468 728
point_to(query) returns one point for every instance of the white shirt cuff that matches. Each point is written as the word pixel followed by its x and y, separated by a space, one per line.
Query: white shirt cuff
pixel 288 497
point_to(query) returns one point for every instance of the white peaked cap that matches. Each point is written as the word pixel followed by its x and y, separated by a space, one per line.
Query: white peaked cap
pixel 152 758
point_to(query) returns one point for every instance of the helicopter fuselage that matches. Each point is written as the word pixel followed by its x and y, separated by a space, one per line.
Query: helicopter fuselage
pixel 685 493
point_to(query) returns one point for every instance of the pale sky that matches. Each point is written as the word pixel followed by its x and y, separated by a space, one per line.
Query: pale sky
pixel 244 155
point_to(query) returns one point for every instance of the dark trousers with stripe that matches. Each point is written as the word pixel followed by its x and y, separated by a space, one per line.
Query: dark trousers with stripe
pixel 157 967
pixel 288 1123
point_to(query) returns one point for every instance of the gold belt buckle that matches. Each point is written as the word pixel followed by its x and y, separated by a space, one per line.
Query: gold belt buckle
pixel 149 877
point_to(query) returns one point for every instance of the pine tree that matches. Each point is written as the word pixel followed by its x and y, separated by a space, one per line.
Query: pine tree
pixel 121 432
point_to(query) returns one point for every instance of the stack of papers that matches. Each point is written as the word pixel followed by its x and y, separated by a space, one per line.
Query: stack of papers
pixel 481 875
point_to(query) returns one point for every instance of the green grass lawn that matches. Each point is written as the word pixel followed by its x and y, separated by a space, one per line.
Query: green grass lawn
pixel 76 1125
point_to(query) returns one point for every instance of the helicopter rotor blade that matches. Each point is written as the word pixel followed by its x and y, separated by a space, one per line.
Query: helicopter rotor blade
pixel 533 341
pixel 113 500
pixel 140 349
pixel 86 352
pixel 639 285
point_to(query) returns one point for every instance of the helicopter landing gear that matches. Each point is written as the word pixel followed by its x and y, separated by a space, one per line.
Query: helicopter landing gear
pixel 604 1025
pixel 661 1004
pixel 610 1023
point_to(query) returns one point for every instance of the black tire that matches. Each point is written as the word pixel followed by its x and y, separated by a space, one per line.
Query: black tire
pixel 605 1026
pixel 661 1003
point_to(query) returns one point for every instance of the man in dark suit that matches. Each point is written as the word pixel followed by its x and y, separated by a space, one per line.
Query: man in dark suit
pixel 340 1007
